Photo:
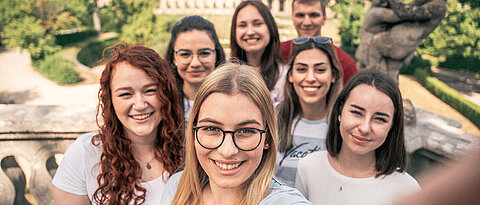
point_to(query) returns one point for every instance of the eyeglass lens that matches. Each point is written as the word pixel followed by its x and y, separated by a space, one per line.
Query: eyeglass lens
pixel 316 39
pixel 203 55
pixel 212 137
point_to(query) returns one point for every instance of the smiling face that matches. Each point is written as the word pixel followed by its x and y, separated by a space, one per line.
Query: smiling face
pixel 228 167
pixel 251 31
pixel 135 100
pixel 195 42
pixel 311 77
pixel 365 120
pixel 308 18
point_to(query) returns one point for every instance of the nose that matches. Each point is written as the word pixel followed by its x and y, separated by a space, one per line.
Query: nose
pixel 307 20
pixel 250 30
pixel 140 102
pixel 364 126
pixel 228 148
pixel 310 75
pixel 195 61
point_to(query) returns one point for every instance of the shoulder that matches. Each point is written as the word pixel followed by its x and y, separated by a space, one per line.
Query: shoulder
pixel 281 194
pixel 83 144
pixel 286 43
pixel 403 179
pixel 171 188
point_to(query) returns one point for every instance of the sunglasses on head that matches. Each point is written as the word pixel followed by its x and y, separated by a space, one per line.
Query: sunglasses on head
pixel 316 39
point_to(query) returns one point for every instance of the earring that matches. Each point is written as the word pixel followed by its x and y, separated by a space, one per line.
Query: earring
pixel 267 146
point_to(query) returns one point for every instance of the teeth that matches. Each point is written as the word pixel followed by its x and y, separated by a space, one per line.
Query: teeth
pixel 310 89
pixel 227 167
pixel 141 117
pixel 252 40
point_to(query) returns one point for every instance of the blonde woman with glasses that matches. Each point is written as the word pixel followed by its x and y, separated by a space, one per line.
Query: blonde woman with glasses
pixel 231 145
pixel 194 51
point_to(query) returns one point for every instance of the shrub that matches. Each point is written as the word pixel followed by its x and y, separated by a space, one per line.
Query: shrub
pixel 93 52
pixel 417 62
pixel 72 37
pixel 449 96
pixel 459 62
pixel 58 69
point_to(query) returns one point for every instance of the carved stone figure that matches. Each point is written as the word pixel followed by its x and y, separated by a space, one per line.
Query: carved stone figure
pixel 392 31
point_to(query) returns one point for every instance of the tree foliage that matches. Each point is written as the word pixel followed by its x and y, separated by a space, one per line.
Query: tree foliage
pixel 458 36
pixel 351 14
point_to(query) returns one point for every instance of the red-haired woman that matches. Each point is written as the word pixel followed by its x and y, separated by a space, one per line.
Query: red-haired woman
pixel 138 145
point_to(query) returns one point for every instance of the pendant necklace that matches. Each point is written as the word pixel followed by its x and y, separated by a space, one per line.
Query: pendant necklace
pixel 148 163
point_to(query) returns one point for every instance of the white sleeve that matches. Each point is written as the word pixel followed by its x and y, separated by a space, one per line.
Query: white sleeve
pixel 71 174
pixel 299 179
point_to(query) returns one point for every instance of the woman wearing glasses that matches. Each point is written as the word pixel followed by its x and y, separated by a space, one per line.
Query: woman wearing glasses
pixel 254 39
pixel 314 82
pixel 230 145
pixel 194 51
pixel 366 158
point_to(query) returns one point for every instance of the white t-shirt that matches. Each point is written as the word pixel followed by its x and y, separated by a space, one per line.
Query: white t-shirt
pixel 321 184
pixel 78 171
pixel 308 137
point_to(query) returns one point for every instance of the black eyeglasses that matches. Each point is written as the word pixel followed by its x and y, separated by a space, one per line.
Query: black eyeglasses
pixel 315 39
pixel 204 55
pixel 212 137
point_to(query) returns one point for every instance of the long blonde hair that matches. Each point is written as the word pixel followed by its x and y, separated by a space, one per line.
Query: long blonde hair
pixel 230 79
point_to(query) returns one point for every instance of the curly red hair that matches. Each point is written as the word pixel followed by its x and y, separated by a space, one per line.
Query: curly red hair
pixel 120 173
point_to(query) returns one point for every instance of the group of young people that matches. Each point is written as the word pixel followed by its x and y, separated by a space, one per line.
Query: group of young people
pixel 276 124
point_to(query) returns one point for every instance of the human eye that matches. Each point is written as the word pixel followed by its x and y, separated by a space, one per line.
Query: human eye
pixel 211 129
pixel 205 53
pixel 247 131
pixel 381 119
pixel 241 25
pixel 299 15
pixel 356 112
pixel 320 69
pixel 301 69
pixel 184 54
pixel 314 15
pixel 124 94
pixel 151 91
pixel 258 23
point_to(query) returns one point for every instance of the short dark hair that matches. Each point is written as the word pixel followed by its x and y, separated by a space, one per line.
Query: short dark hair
pixel 190 23
pixel 391 155
pixel 323 3
pixel 271 54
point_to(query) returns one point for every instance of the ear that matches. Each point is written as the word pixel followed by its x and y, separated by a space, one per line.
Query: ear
pixel 290 79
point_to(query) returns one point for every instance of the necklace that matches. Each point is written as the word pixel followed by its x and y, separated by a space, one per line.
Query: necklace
pixel 148 163
pixel 340 188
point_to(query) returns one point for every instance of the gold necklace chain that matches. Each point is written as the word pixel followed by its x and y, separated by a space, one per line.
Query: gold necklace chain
pixel 148 163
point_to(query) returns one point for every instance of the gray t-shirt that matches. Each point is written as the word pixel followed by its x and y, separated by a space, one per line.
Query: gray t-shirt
pixel 279 194
pixel 308 137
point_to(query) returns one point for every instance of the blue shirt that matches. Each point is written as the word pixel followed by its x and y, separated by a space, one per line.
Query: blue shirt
pixel 279 194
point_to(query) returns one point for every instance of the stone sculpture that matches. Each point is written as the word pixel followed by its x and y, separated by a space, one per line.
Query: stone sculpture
pixel 392 30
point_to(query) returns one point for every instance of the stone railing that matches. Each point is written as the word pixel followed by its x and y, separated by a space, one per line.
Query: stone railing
pixel 30 137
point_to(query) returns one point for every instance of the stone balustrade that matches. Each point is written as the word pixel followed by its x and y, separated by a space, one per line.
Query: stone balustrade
pixel 30 137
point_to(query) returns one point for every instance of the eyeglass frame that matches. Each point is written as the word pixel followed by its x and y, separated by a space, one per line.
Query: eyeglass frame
pixel 233 137
pixel 315 39
pixel 196 53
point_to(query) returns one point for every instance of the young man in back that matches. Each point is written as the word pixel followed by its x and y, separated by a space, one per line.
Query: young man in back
pixel 308 17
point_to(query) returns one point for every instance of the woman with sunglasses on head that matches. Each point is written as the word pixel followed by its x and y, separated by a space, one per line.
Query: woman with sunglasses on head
pixel 254 39
pixel 139 144
pixel 365 159
pixel 194 51
pixel 230 145
pixel 314 81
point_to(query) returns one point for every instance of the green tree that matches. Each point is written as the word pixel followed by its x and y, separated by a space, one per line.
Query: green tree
pixel 351 14
pixel 458 36
pixel 29 34
pixel 140 29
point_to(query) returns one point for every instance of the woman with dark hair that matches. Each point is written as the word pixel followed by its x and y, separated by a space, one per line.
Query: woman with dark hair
pixel 139 144
pixel 193 51
pixel 366 158
pixel 314 82
pixel 254 39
